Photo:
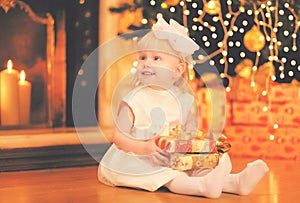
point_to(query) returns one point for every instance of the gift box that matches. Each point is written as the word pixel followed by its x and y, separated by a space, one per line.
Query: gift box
pixel 183 162
pixel 255 112
pixel 193 150
pixel 284 92
pixel 264 142
pixel 286 114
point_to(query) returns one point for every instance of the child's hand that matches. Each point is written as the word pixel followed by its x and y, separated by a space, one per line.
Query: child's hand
pixel 157 155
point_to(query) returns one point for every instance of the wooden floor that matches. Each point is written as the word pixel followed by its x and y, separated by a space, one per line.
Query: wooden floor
pixel 282 184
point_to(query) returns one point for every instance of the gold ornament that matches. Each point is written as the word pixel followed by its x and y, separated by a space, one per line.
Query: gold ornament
pixel 254 39
pixel 212 7
pixel 172 2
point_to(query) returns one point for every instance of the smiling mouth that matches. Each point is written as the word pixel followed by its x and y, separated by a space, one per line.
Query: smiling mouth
pixel 147 73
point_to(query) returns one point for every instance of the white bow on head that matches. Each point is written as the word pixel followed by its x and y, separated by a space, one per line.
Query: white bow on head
pixel 177 36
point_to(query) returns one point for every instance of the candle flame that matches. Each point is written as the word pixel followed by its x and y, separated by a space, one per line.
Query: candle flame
pixel 9 66
pixel 22 75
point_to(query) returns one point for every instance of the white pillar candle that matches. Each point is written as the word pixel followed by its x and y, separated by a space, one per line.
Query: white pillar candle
pixel 24 99
pixel 9 96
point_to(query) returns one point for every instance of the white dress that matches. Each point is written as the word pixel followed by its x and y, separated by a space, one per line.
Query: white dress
pixel 154 112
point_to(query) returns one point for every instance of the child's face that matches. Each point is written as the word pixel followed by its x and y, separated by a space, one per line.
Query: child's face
pixel 159 69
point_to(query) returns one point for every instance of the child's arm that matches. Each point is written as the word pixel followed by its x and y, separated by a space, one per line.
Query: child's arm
pixel 123 139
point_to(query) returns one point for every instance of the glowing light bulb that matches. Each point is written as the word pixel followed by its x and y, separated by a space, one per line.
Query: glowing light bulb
pixel 275 126
pixel 204 38
pixel 286 33
pixel 264 93
pixel 293 62
pixel 281 68
pixel 213 29
pixel 265 109
pixel 286 5
pixel 215 18
pixel 271 137
pixel 152 3
pixel 249 12
pixel 291 73
pixel 281 12
pixel 172 9
pixel 144 21
pixel 242 54
pixel 228 15
pixel 186 12
pixel 283 59
pixel 286 49
pixel 164 5
pixel 230 60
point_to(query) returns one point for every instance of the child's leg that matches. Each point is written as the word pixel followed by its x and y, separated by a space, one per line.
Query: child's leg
pixel 209 185
pixel 244 182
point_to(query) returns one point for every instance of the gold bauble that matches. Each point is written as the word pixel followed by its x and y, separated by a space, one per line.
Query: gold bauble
pixel 213 7
pixel 172 2
pixel 254 39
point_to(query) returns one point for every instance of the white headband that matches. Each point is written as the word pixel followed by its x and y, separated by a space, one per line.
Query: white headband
pixel 177 36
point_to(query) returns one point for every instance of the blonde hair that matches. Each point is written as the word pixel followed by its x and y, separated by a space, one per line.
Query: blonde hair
pixel 150 42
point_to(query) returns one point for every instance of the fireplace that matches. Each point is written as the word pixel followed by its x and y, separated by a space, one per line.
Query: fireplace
pixel 48 40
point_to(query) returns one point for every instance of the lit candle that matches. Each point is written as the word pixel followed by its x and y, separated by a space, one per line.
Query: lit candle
pixel 9 96
pixel 24 99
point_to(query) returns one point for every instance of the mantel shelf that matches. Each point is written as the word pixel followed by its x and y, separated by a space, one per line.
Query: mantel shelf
pixel 30 138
